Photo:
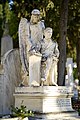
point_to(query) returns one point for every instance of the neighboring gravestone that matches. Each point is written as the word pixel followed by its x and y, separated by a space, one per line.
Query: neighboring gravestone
pixel 8 80
pixel 69 67
pixel 6 41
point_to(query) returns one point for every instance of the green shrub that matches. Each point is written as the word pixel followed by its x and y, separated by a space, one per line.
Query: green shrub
pixel 21 112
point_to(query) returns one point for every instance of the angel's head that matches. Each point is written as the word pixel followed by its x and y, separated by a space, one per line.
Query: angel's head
pixel 35 17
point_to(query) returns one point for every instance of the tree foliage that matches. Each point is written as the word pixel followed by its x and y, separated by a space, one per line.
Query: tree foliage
pixel 73 27
pixel 22 8
pixel 49 12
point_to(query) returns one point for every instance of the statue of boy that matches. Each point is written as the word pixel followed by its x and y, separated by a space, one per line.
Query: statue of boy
pixel 50 54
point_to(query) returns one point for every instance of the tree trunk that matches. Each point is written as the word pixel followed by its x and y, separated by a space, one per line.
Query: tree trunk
pixel 78 58
pixel 62 41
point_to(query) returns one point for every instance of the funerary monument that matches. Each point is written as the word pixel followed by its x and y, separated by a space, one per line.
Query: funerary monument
pixel 39 54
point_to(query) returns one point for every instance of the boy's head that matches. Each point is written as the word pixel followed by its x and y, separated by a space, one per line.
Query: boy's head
pixel 48 32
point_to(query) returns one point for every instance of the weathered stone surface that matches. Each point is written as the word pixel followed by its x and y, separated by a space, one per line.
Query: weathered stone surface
pixel 34 70
pixel 6 41
pixel 1 92
pixel 6 44
pixel 44 99
pixel 9 79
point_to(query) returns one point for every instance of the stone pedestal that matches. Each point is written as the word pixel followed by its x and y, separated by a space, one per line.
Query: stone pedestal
pixel 48 102
pixel 44 99
pixel 34 69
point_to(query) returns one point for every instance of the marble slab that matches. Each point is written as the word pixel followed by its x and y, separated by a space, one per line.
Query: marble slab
pixel 44 99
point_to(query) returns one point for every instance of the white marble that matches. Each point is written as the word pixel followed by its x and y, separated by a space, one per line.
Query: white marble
pixel 34 70
pixel 30 33
pixel 50 54
pixel 44 99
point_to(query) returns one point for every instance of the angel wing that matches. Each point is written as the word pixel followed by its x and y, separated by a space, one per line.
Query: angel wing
pixel 23 36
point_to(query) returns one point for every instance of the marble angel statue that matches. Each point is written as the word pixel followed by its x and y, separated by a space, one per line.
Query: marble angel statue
pixel 30 32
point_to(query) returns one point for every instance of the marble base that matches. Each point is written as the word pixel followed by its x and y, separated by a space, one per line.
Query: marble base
pixel 44 99
pixel 57 116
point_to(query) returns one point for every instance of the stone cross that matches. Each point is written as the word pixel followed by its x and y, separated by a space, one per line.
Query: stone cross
pixel 69 67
